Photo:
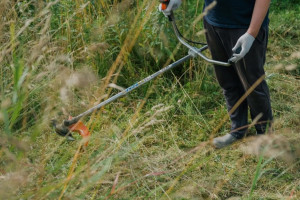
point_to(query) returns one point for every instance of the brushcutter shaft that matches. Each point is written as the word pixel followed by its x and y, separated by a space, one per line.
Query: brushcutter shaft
pixel 73 124
pixel 192 52
pixel 129 89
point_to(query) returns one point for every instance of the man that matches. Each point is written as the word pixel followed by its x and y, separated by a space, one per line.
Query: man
pixel 237 30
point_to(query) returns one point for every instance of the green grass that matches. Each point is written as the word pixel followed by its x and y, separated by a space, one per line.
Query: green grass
pixel 57 58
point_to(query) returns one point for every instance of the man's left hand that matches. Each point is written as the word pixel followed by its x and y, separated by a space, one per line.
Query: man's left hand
pixel 244 43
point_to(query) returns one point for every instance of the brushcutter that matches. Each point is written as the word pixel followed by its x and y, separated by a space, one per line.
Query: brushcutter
pixel 73 124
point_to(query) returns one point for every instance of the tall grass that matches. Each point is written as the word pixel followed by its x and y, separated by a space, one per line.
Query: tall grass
pixel 60 57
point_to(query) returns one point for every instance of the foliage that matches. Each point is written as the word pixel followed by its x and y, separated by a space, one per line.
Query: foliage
pixel 60 57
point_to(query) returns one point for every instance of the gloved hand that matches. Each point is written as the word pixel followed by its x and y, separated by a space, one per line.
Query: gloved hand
pixel 244 43
pixel 173 5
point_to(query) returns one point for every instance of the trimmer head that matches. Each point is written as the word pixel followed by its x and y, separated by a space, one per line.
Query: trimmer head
pixel 66 131
pixel 62 130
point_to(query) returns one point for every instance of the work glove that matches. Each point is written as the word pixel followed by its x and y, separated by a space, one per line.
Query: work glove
pixel 173 5
pixel 243 44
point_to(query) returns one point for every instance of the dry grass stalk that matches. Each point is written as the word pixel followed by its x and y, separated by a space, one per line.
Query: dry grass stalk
pixel 112 85
pixel 152 120
pixel 99 48
pixel 10 183
pixel 270 146
pixel 291 67
pixel 79 80
pixel 295 55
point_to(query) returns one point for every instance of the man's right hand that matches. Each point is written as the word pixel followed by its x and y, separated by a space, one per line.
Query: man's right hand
pixel 173 5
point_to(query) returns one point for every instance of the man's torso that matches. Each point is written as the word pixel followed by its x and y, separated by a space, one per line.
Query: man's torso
pixel 231 13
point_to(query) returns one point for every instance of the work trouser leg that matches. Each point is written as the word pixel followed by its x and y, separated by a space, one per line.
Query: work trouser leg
pixel 237 78
pixel 229 81
pixel 250 69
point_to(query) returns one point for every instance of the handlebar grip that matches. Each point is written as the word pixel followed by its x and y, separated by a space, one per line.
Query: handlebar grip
pixel 164 4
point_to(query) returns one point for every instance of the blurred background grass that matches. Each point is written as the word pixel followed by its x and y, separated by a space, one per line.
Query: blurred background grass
pixel 59 58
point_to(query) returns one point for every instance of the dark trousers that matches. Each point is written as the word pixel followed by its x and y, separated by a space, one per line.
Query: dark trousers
pixel 239 77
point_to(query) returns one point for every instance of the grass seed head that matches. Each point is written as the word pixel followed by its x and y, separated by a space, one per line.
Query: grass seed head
pixel 291 67
pixel 271 146
pixel 81 79
pixel 99 48
pixel 278 67
pixel 295 55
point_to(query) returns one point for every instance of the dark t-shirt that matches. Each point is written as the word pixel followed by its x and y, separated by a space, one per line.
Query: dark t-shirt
pixel 231 13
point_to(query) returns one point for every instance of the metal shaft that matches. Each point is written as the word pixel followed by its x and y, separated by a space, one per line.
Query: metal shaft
pixel 149 78
pixel 195 50
pixel 129 89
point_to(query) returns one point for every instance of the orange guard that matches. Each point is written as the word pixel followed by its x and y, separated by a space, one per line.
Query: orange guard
pixel 80 128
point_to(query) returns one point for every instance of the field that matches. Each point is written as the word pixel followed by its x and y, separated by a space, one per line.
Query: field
pixel 61 57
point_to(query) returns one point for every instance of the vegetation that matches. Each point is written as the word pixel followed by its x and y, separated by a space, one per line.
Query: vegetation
pixel 60 57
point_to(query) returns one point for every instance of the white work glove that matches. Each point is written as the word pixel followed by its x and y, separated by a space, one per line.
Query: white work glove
pixel 173 5
pixel 244 43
